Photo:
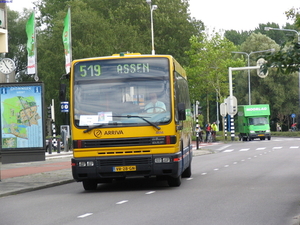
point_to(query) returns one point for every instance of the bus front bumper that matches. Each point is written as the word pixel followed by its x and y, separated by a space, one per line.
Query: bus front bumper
pixel 102 168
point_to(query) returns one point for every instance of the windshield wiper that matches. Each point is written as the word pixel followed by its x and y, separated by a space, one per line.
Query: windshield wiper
pixel 94 127
pixel 143 118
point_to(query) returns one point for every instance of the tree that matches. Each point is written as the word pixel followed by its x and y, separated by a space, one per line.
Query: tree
pixel 277 89
pixel 287 59
pixel 17 40
pixel 210 58
pixel 237 37
pixel 105 27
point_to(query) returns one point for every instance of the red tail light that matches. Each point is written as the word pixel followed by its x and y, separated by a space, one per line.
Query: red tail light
pixel 168 140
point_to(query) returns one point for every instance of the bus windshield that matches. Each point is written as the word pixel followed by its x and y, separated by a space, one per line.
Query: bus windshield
pixel 122 92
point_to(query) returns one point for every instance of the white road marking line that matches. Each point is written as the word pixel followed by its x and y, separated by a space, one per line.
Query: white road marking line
pixel 150 192
pixel 294 147
pixel 259 149
pixel 190 178
pixel 228 150
pixel 216 169
pixel 203 174
pixel 84 215
pixel 244 149
pixel 122 202
pixel 235 163
pixel 226 166
pixel 277 147
pixel 223 147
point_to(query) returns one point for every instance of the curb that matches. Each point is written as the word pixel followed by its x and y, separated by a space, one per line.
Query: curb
pixel 198 152
pixel 24 190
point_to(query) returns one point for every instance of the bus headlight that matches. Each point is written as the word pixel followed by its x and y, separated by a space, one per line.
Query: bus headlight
pixel 85 163
pixel 162 160
pixel 166 160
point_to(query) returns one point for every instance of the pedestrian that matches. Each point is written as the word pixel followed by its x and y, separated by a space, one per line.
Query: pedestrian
pixel 278 127
pixel 208 130
pixel 294 126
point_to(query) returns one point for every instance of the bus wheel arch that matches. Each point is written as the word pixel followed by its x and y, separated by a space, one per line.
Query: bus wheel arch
pixel 187 173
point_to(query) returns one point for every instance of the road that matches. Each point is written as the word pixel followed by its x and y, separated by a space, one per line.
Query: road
pixel 243 183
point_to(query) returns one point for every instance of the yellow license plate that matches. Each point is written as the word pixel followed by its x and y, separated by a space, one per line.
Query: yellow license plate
pixel 261 135
pixel 124 168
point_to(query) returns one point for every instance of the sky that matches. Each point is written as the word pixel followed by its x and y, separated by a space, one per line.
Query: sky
pixel 224 14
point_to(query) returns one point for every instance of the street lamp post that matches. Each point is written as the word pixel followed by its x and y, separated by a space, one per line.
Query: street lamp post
pixel 152 8
pixel 248 60
pixel 298 34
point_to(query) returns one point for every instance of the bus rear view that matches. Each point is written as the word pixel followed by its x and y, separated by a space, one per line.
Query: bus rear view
pixel 130 117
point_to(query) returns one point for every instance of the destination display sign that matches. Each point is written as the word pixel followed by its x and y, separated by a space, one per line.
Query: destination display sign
pixel 94 69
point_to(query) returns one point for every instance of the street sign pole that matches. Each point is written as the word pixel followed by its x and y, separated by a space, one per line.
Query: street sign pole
pixel 223 112
pixel 231 97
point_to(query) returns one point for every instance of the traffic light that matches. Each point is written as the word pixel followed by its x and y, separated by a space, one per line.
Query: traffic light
pixel 62 92
pixel 49 112
pixel 199 109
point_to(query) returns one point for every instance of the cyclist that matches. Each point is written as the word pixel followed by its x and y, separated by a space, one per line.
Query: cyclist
pixel 214 129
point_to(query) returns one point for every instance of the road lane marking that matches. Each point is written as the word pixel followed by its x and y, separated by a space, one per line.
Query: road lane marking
pixel 259 149
pixel 150 192
pixel 223 147
pixel 203 174
pixel 244 149
pixel 228 150
pixel 294 147
pixel 121 202
pixel 84 215
pixel 277 147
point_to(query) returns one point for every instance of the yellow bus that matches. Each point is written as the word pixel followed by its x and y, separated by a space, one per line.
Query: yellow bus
pixel 130 116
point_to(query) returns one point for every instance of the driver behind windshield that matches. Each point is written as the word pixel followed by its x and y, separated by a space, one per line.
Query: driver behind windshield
pixel 154 105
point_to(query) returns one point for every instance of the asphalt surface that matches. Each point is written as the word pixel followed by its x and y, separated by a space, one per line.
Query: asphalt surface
pixel 55 170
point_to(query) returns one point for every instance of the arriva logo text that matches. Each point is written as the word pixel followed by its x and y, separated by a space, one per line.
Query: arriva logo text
pixel 113 132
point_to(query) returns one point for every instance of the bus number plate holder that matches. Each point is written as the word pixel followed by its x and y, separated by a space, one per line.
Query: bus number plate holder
pixel 124 168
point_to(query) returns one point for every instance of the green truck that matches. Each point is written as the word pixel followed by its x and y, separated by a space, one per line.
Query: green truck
pixel 253 122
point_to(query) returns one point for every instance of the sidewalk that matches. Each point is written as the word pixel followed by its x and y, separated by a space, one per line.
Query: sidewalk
pixel 28 176
pixel 56 169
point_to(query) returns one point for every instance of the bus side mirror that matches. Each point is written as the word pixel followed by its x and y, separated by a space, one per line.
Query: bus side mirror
pixel 181 111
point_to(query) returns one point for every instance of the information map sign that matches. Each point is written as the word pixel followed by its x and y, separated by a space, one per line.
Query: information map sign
pixel 22 116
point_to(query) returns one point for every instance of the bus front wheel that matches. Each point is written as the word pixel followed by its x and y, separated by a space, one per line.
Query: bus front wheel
pixel 89 185
pixel 174 181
